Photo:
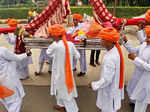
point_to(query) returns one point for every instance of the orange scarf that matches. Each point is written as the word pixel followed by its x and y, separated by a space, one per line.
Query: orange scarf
pixel 69 78
pixel 5 92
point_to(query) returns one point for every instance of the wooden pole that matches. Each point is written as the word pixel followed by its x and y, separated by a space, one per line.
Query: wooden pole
pixel 115 4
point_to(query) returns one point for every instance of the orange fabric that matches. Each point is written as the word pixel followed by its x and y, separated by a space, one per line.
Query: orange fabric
pixel 94 30
pixel 147 16
pixel 58 30
pixel 110 34
pixel 147 30
pixel 12 22
pixel 77 17
pixel 5 92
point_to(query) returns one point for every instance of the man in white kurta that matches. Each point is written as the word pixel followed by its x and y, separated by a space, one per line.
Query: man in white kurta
pixel 109 91
pixel 77 18
pixel 9 78
pixel 22 66
pixel 58 79
pixel 139 85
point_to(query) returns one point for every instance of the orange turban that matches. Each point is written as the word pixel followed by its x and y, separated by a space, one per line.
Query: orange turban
pixel 110 34
pixel 58 30
pixel 147 16
pixel 5 92
pixel 147 30
pixel 95 28
pixel 77 17
pixel 12 22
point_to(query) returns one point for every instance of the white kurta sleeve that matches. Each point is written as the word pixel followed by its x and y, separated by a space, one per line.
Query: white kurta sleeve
pixel 140 36
pixel 131 49
pixel 51 48
pixel 76 53
pixel 108 73
pixel 13 57
pixel 139 62
pixel 11 39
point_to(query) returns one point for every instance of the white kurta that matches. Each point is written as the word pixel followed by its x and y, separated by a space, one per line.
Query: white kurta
pixel 8 76
pixel 22 66
pixel 139 85
pixel 141 36
pixel 58 85
pixel 83 65
pixel 109 93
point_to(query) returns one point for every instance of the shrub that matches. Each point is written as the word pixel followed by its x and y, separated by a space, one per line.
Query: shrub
pixel 22 13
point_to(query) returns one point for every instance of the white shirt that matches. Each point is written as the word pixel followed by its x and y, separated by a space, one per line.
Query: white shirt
pixel 108 85
pixel 58 85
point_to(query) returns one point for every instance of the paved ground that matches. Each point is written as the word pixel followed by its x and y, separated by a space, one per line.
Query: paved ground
pixel 37 99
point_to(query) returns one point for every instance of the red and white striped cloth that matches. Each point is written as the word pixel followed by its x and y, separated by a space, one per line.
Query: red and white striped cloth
pixel 101 14
pixel 54 13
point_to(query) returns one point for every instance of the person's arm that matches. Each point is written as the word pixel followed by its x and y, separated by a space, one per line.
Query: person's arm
pixel 131 49
pixel 142 64
pixel 13 57
pixel 51 48
pixel 107 76
pixel 11 39
pixel 140 36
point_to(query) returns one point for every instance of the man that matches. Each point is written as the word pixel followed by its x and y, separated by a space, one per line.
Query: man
pixel 22 65
pixel 139 85
pixel 110 85
pixel 62 81
pixel 77 18
pixel 9 79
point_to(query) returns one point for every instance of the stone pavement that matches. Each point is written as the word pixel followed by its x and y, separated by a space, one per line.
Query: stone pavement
pixel 37 99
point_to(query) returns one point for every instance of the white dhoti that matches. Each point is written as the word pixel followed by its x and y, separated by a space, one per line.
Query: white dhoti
pixel 42 58
pixel 13 107
pixel 83 65
pixel 70 105
pixel 22 67
pixel 140 107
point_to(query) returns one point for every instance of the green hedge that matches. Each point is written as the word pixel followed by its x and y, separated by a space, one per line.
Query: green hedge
pixel 22 13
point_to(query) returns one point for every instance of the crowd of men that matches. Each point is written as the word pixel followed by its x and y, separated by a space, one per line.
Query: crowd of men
pixel 64 56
